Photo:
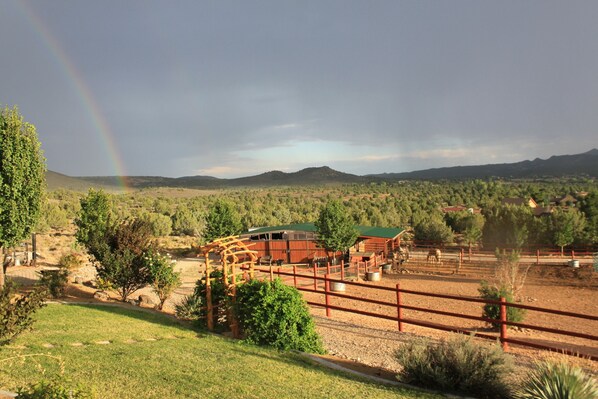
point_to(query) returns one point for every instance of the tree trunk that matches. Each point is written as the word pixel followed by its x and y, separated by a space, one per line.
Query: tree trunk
pixel 2 271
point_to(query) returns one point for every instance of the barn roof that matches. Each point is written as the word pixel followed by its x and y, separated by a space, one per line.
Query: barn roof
pixel 364 231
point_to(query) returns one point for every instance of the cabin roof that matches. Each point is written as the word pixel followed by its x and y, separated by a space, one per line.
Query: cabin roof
pixel 364 231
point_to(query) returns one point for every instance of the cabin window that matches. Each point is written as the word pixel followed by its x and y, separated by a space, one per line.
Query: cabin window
pixel 259 237
pixel 303 235
pixel 278 236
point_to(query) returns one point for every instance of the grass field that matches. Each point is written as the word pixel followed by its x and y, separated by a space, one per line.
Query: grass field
pixel 129 353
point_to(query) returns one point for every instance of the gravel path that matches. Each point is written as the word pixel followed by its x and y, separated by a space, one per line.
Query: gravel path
pixel 367 345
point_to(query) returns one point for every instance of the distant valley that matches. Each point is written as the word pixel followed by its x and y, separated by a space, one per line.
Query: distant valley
pixel 585 164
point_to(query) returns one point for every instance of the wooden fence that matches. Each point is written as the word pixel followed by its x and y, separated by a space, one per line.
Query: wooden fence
pixel 539 254
pixel 318 284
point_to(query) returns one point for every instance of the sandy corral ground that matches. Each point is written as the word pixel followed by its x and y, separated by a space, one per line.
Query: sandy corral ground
pixel 368 343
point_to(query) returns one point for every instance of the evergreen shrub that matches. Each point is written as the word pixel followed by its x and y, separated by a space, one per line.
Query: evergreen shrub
pixel 16 310
pixel 455 365
pixel 492 311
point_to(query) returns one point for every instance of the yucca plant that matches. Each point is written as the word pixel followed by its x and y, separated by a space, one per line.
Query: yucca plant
pixel 557 381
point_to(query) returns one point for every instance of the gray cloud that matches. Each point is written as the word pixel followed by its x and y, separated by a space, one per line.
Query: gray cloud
pixel 191 86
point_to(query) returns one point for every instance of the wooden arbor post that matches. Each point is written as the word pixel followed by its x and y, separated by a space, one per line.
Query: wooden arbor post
pixel 210 307
pixel 233 252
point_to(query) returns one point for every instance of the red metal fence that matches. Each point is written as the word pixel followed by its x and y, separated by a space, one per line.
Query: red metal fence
pixel 318 284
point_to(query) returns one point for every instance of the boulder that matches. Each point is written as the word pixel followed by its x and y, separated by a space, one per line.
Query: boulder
pixel 78 280
pixel 146 300
pixel 101 295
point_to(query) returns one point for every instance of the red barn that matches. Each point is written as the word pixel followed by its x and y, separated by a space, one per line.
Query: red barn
pixel 298 243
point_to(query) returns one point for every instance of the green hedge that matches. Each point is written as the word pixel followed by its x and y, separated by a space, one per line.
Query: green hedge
pixel 274 314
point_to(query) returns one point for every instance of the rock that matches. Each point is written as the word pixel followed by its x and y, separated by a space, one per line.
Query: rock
pixel 78 280
pixel 146 300
pixel 6 394
pixel 133 302
pixel 101 295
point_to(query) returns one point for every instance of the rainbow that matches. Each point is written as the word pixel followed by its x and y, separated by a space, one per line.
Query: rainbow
pixel 73 75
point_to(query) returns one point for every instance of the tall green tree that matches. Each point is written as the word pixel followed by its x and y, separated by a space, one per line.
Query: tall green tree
pixel 566 226
pixel 589 206
pixel 507 226
pixel 433 230
pixel 186 222
pixel 335 227
pixel 122 260
pixel 22 179
pixel 222 220
pixel 93 221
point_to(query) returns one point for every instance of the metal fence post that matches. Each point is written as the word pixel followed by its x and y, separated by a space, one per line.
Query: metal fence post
pixel 399 309
pixel 295 275
pixel 327 290
pixel 503 323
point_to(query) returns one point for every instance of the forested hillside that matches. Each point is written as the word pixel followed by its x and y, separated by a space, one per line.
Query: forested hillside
pixel 417 205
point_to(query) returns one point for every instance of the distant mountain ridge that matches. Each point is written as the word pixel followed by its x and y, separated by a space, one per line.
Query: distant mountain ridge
pixel 585 164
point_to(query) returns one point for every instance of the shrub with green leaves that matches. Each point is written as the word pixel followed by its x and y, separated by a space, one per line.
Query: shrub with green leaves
pixel 274 314
pixel 163 279
pixel 16 310
pixel 120 256
pixel 189 308
pixel 492 311
pixel 455 365
pixel 53 390
pixel 194 307
pixel 161 225
pixel 55 281
pixel 70 261
pixel 185 222
pixel 557 381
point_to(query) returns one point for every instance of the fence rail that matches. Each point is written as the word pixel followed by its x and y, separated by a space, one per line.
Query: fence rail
pixel 315 280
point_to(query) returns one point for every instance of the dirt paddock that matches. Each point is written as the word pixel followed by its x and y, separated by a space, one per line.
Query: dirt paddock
pixel 366 342
pixel 373 341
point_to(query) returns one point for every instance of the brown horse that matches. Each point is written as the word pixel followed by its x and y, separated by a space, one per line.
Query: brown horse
pixel 434 254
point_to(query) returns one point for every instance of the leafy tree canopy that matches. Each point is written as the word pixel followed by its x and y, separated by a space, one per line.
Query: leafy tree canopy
pixel 94 220
pixel 22 178
pixel 335 227
pixel 222 221
pixel 433 230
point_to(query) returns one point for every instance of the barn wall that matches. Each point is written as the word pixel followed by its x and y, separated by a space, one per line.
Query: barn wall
pixel 301 251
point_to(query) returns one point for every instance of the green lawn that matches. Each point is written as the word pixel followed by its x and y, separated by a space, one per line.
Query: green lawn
pixel 152 356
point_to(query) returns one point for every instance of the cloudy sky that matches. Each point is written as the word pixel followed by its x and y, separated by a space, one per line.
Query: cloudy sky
pixel 234 88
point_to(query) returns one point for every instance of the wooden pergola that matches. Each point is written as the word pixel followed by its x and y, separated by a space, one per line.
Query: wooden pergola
pixel 234 254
